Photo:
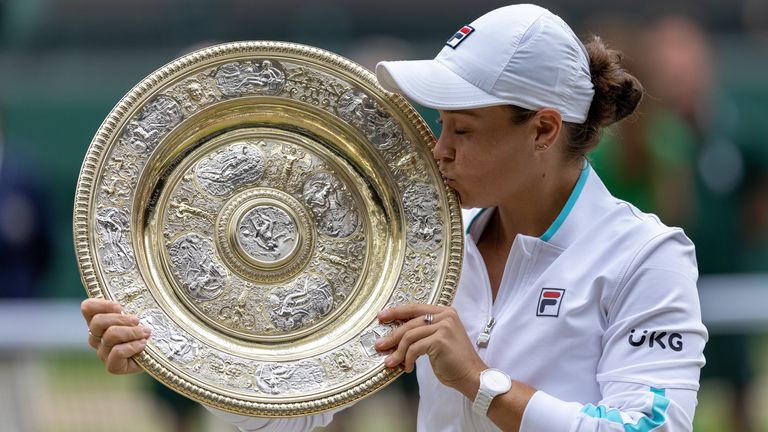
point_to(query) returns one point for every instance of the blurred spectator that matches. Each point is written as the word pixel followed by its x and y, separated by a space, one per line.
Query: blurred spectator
pixel 681 160
pixel 755 216
pixel 694 114
pixel 25 243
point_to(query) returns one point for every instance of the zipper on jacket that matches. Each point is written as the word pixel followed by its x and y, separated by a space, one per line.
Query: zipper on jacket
pixel 485 336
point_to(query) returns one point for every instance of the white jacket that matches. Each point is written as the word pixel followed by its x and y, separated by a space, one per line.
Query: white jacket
pixel 600 314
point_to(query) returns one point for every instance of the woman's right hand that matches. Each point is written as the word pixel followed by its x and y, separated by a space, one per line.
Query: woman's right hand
pixel 115 337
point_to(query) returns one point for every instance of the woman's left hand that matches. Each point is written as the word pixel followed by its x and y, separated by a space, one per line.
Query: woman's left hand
pixel 454 359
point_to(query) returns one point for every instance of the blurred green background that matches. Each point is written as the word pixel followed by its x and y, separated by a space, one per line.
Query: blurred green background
pixel 696 154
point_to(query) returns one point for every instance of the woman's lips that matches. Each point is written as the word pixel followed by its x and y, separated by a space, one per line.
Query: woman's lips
pixel 448 179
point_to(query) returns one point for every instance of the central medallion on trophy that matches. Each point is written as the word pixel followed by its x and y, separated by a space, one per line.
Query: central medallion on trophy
pixel 267 235
pixel 263 233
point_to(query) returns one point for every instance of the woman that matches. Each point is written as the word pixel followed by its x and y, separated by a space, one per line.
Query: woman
pixel 575 311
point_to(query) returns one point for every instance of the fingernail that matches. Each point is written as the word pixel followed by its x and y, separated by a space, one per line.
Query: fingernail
pixel 146 331
pixel 388 361
pixel 379 342
pixel 134 320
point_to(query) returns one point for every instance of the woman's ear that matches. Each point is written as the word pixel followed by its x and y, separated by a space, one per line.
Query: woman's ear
pixel 548 125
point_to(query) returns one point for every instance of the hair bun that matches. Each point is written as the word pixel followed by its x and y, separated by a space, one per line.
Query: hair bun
pixel 617 92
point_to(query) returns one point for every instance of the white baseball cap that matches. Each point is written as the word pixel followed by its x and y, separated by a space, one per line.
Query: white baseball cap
pixel 521 55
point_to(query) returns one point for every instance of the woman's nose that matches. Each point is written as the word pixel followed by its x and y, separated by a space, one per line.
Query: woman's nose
pixel 443 148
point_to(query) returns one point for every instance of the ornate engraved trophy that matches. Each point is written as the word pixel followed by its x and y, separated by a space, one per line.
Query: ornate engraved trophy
pixel 256 204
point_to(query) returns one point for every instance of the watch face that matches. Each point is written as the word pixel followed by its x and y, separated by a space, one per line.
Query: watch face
pixel 496 381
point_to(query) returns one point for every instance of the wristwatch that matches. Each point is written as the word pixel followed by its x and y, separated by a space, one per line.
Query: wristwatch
pixel 493 382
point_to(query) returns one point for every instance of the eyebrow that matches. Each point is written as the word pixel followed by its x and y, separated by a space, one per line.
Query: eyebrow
pixel 466 112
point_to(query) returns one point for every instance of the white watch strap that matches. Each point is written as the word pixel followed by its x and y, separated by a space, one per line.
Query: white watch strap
pixel 482 403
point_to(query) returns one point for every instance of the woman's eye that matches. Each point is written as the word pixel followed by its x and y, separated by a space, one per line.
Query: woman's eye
pixel 459 131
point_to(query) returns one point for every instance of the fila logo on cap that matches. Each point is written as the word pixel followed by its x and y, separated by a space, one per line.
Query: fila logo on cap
pixel 459 37
pixel 549 302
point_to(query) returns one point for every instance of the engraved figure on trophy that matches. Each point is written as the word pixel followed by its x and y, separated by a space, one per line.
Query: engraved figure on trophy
pixel 422 212
pixel 275 378
pixel 404 162
pixel 267 233
pixel 291 155
pixel 341 263
pixel 300 304
pixel 361 111
pixel 343 360
pixel 349 360
pixel 237 79
pixel 194 265
pixel 236 166
pixel 339 259
pixel 288 167
pixel 121 173
pixel 128 291
pixel 421 269
pixel 312 87
pixel 171 342
pixel 237 313
pixel 112 226
pixel 183 210
pixel 189 209
pixel 419 272
pixel 146 129
pixel 332 205
pixel 296 165
pixel 229 372
pixel 195 93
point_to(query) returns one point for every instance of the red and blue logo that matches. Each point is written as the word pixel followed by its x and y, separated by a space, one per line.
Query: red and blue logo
pixel 549 302
pixel 459 37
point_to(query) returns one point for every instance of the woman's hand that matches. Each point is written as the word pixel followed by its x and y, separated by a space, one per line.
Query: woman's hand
pixel 454 359
pixel 114 336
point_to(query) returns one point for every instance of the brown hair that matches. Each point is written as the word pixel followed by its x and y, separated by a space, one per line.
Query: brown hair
pixel 617 95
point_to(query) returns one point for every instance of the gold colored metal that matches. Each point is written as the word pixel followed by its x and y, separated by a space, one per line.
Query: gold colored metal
pixel 256 204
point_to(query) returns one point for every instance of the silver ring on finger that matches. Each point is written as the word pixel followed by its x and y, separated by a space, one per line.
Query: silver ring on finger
pixel 90 333
pixel 428 318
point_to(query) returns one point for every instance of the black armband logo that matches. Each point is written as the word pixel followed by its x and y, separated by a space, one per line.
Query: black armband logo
pixel 659 339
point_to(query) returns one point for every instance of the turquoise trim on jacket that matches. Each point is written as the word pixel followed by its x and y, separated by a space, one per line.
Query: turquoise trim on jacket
pixel 644 424
pixel 474 219
pixel 568 204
